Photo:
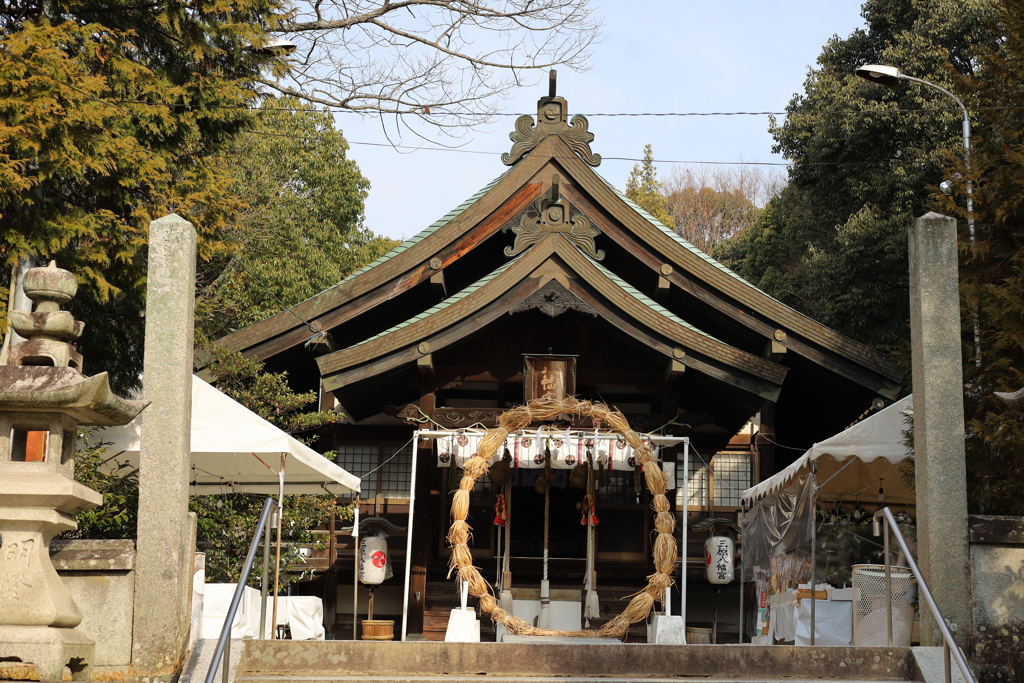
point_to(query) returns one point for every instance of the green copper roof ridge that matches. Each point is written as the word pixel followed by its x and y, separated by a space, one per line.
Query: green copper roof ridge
pixel 649 302
pixel 687 245
pixel 438 307
pixel 426 232
pixel 395 251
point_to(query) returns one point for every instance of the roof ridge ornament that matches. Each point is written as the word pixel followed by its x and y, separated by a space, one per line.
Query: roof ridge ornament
pixel 552 119
pixel 549 215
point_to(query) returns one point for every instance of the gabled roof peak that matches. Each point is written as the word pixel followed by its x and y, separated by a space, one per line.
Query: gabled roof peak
pixel 552 119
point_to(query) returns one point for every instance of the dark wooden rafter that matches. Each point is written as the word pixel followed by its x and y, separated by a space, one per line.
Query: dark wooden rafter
pixel 676 266
pixel 689 338
pixel 765 389
pixel 741 302
pixel 343 377
pixel 455 418
pixel 518 281
pixel 337 305
pixel 449 375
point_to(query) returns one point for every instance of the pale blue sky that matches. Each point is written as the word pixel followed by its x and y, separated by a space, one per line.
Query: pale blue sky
pixel 656 56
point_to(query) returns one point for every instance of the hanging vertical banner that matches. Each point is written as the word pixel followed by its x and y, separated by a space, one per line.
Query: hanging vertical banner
pixel 549 377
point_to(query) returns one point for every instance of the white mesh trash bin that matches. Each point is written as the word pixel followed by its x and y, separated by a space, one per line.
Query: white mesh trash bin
pixel 869 605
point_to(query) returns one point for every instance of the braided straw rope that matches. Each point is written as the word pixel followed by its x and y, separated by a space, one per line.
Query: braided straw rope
pixel 664 551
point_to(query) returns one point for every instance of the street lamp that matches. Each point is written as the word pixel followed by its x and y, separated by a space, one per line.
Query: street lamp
pixel 277 47
pixel 890 76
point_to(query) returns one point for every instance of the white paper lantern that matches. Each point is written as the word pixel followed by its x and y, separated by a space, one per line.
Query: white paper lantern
pixel 718 554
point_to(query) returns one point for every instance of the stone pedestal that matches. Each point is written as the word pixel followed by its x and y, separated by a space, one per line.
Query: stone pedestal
pixel 942 533
pixel 43 398
pixel 666 629
pixel 50 650
pixel 463 627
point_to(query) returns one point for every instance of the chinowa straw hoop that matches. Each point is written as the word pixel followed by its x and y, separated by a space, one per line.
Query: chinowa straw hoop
pixel 665 551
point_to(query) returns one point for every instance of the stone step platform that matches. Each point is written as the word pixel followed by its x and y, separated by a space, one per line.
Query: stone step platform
pixel 538 679
pixel 352 662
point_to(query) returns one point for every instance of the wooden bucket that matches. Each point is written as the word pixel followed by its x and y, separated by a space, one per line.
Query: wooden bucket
pixel 378 629
pixel 698 636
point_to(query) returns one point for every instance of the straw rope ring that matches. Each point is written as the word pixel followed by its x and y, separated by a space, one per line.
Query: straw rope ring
pixel 664 550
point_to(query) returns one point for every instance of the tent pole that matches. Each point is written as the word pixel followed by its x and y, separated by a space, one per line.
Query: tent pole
pixel 355 571
pixel 685 520
pixel 742 587
pixel 264 583
pixel 277 561
pixel 408 538
pixel 814 539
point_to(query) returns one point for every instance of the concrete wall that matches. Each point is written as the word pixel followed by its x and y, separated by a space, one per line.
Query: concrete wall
pixel 100 575
pixel 997 578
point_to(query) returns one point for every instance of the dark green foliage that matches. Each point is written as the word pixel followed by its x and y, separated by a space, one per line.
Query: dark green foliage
pixel 302 229
pixel 992 270
pixel 226 525
pixel 117 481
pixel 833 243
pixel 111 115
pixel 265 393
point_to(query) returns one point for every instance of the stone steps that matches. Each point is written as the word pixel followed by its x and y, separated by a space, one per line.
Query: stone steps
pixel 414 662
pixel 518 679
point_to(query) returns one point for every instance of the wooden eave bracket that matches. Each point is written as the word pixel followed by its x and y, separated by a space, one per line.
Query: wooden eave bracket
pixel 663 248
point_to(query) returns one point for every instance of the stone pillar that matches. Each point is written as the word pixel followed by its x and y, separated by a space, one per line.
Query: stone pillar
pixel 164 546
pixel 942 532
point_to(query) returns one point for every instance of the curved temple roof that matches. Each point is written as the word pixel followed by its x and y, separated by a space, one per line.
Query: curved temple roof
pixel 711 321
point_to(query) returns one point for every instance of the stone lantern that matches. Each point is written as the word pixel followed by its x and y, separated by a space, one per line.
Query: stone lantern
pixel 44 397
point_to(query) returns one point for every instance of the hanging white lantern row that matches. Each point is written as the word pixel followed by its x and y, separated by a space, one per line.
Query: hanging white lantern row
pixel 718 555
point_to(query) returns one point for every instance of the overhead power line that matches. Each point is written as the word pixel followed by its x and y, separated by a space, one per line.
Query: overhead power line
pixel 604 158
pixel 428 111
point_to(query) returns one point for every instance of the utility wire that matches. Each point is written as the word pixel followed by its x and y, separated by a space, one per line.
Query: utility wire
pixel 603 158
pixel 425 112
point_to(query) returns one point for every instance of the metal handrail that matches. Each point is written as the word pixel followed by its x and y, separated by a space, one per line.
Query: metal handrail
pixel 225 632
pixel 948 644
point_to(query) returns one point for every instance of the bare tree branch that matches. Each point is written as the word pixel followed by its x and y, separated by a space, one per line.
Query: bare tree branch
pixel 710 204
pixel 437 63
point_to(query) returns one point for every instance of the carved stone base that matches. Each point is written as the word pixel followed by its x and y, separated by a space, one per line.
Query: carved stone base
pixel 50 650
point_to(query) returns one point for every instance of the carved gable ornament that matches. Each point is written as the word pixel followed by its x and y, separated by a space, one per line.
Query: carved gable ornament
pixel 553 300
pixel 550 215
pixel 552 119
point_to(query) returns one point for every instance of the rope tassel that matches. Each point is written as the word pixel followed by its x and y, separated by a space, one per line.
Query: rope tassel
pixel 505 598
pixel 500 510
pixel 592 604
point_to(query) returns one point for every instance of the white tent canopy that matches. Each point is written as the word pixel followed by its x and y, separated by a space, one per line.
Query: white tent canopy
pixel 233 449
pixel 879 436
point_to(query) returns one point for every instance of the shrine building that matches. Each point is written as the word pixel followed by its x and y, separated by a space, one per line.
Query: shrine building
pixel 549 281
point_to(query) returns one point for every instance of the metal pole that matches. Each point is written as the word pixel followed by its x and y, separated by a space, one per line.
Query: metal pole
pixel 814 542
pixel 227 660
pixel 686 526
pixel 925 593
pixel 263 580
pixel 970 191
pixel 355 574
pixel 277 561
pixel 408 539
pixel 742 587
pixel 888 588
pixel 225 632
pixel 945 660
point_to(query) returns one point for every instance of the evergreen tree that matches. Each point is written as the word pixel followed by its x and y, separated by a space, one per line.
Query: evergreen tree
pixel 992 268
pixel 643 187
pixel 866 161
pixel 301 230
pixel 112 115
